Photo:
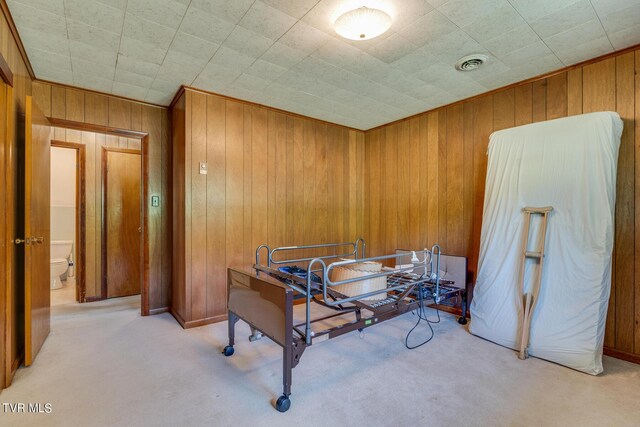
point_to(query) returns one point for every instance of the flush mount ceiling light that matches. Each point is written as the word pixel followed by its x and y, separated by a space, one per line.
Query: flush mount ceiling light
pixel 363 23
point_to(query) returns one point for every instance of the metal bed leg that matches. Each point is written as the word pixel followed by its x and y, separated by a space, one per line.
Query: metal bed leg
pixel 232 320
pixel 358 318
pixel 284 403
pixel 463 320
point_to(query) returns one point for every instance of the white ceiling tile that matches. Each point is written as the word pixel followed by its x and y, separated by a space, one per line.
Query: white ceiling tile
pixel 568 17
pixel 38 19
pixel 304 37
pixel 583 51
pixel 621 19
pixel 532 10
pixel 464 12
pixel 251 83
pixel 296 8
pixel 53 6
pixel 247 42
pixel 56 75
pixel 267 21
pixel 526 54
pixel 392 48
pixel 453 46
pixel 232 59
pixel 409 12
pixel 119 4
pixel 165 86
pixel 628 37
pixel 92 82
pixel 432 25
pixel 197 49
pixel 81 66
pixel 94 36
pixel 130 91
pixel 591 30
pixel 606 7
pixel 134 79
pixel 222 75
pixel 183 72
pixel 91 53
pixel 164 12
pixel 95 13
pixel 512 40
pixel 146 31
pixel 44 41
pixel 230 11
pixel 142 51
pixel 205 26
pixel 264 69
pixel 414 62
pixel 157 97
pixel 137 66
pixel 491 26
pixel 41 60
pixel 283 55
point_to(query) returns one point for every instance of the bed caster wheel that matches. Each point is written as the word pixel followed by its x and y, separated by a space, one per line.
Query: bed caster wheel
pixel 462 320
pixel 283 404
pixel 228 351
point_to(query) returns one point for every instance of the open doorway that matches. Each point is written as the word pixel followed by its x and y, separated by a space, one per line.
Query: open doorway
pixel 68 209
pixel 102 191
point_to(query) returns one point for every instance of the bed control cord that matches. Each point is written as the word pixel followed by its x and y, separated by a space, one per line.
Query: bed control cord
pixel 422 315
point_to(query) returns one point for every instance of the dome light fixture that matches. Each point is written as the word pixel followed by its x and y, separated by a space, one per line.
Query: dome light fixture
pixel 363 23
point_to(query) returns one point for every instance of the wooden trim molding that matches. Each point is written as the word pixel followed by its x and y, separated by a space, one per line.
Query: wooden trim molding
pixel 5 71
pixel 628 357
pixel 195 323
pixel 81 209
pixel 88 127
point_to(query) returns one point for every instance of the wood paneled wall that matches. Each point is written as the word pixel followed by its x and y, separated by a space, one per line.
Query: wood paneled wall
pixel 87 107
pixel 11 288
pixel 425 176
pixel 273 178
pixel 93 143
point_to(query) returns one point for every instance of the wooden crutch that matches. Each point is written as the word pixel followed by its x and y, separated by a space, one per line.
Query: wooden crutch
pixel 530 299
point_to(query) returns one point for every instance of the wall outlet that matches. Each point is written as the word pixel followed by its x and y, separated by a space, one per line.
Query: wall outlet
pixel 155 201
pixel 203 168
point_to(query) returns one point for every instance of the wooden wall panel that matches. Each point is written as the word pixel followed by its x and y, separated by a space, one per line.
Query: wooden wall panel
pixel 88 107
pixel 273 178
pixel 452 149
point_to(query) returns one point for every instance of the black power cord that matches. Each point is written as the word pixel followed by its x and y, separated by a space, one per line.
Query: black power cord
pixel 422 315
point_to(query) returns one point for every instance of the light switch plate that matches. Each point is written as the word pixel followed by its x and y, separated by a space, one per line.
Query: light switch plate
pixel 203 168
pixel 155 201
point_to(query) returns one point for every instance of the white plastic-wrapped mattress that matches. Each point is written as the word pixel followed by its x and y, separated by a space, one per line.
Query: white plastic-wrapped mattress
pixel 569 164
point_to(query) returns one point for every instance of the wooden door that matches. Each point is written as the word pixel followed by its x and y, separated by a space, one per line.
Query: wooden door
pixel 122 222
pixel 4 236
pixel 37 229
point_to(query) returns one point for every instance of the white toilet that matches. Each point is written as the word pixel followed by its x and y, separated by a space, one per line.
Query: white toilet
pixel 60 251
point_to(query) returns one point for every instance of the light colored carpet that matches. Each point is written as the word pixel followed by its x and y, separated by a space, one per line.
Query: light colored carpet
pixel 104 365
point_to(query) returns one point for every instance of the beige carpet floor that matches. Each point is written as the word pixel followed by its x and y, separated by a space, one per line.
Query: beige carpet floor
pixel 104 365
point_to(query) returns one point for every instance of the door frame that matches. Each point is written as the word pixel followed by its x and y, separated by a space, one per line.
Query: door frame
pixel 103 225
pixel 144 151
pixel 81 209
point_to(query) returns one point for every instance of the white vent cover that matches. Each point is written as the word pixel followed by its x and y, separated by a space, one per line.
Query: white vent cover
pixel 471 62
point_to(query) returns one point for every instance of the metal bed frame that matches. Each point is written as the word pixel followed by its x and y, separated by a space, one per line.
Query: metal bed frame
pixel 263 297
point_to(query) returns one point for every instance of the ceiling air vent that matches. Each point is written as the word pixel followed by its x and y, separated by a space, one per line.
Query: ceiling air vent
pixel 471 62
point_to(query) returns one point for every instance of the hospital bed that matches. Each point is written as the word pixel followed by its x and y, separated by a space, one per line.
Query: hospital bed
pixel 264 294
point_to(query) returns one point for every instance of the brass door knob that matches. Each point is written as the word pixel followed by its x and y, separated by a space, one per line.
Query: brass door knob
pixel 20 241
pixel 38 240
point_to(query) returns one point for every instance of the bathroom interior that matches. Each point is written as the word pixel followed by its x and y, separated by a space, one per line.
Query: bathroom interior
pixel 64 167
